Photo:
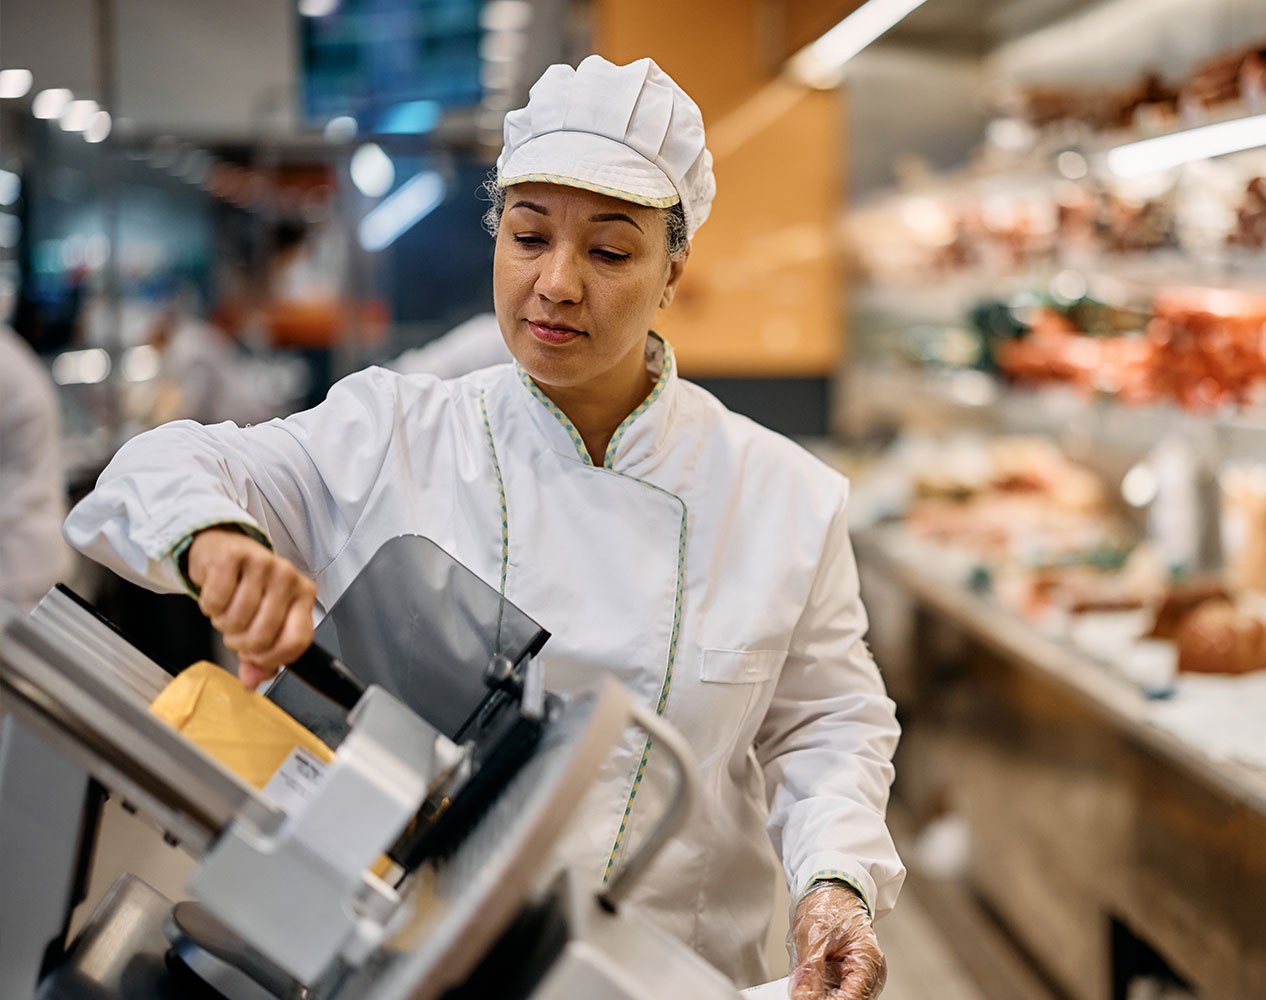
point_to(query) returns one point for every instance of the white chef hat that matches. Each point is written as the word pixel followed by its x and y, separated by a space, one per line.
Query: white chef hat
pixel 625 131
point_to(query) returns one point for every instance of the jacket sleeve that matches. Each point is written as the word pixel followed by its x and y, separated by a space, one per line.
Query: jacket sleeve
pixel 302 482
pixel 827 741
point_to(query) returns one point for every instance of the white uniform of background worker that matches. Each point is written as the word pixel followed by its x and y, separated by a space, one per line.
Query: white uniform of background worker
pixel 471 345
pixel 702 560
pixel 33 555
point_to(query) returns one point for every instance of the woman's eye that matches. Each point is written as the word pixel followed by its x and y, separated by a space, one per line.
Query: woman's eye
pixel 529 241
pixel 612 256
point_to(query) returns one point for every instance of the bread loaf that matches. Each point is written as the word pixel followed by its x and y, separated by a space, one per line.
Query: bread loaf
pixel 1216 638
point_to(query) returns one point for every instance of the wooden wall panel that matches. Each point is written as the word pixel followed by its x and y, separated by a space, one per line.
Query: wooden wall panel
pixel 713 48
pixel 762 294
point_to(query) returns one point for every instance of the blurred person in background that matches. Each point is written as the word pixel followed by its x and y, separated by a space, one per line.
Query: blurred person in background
pixel 33 555
pixel 477 343
pixel 203 372
pixel 699 559
pixel 303 307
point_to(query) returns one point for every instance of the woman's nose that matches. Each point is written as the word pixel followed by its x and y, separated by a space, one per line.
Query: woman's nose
pixel 559 279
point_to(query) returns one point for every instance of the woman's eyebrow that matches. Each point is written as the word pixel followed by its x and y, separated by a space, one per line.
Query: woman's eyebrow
pixel 532 206
pixel 615 217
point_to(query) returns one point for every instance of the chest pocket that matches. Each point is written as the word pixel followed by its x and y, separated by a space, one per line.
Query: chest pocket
pixel 739 666
pixel 734 688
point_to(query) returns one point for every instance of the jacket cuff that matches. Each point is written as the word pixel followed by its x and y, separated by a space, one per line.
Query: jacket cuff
pixel 816 871
pixel 178 556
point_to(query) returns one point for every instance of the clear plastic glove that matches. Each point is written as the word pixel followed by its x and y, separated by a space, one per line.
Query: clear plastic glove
pixel 834 952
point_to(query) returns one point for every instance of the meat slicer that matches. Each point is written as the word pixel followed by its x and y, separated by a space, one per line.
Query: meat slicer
pixel 449 758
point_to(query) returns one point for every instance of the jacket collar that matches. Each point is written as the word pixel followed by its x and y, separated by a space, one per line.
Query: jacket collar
pixel 639 434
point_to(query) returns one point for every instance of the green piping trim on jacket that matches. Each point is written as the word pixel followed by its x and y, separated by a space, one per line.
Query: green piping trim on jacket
pixel 505 511
pixel 836 875
pixel 668 679
pixel 608 460
pixel 179 552
pixel 562 417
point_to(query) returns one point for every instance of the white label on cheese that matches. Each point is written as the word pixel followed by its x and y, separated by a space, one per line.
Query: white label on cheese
pixel 295 782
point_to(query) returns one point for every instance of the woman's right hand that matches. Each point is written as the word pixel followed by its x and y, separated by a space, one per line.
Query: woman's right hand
pixel 260 602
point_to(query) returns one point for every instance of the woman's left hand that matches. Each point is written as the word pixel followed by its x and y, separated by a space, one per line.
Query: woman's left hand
pixel 835 954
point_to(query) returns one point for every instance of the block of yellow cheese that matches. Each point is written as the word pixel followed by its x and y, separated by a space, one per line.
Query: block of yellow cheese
pixel 241 729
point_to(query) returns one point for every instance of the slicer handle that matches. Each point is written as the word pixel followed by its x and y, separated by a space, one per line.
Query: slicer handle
pixel 329 676
pixel 684 796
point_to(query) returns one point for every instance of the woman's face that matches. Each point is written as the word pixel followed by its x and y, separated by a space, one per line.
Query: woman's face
pixel 577 279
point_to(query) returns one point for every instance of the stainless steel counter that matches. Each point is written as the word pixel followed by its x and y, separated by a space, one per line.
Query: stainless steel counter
pixel 1100 840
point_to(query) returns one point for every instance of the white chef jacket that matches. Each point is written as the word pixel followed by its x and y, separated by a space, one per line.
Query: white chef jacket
pixel 706 565
pixel 33 555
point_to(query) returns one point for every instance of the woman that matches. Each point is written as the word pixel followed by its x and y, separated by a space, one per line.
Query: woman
pixel 700 559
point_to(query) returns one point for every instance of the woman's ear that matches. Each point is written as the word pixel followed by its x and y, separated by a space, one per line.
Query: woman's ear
pixel 675 271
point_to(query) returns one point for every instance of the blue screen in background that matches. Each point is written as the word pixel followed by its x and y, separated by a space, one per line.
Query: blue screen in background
pixel 393 65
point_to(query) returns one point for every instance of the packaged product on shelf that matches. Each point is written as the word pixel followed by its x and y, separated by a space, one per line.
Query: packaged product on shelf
pixel 1208 345
pixel 1250 217
pixel 1234 76
pixel 1019 515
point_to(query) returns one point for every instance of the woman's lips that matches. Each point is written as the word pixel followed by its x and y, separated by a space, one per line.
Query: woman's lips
pixel 553 335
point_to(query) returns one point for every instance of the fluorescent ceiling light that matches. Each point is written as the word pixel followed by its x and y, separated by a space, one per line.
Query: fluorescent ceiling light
pixel 410 118
pixel 413 202
pixel 77 115
pixel 1072 164
pixel 15 82
pixel 1010 134
pixel 141 363
pixel 341 129
pixel 505 15
pixel 10 187
pixel 1149 156
pixel 81 367
pixel 98 127
pixel 1139 487
pixel 50 103
pixel 317 8
pixel 372 170
pixel 820 64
